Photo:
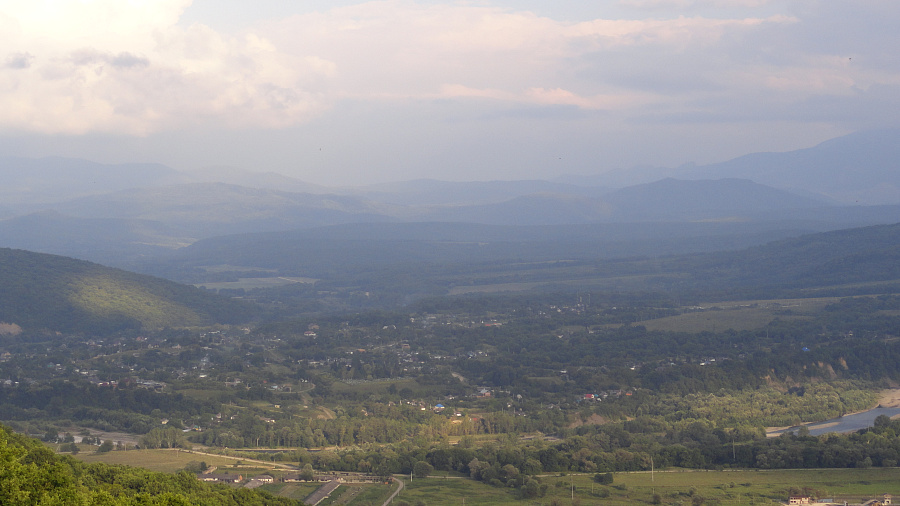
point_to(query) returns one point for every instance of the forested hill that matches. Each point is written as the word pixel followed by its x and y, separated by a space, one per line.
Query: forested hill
pixel 851 256
pixel 32 474
pixel 57 293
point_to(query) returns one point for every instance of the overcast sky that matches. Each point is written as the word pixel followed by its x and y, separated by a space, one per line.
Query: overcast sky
pixel 344 92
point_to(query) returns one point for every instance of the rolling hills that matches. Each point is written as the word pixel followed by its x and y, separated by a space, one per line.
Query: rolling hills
pixel 53 293
pixel 394 263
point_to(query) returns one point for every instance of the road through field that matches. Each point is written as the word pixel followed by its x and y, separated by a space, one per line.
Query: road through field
pixel 391 498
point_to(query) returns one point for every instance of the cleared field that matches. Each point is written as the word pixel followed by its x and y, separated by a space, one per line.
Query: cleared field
pixel 439 491
pixel 166 461
pixel 372 494
pixel 250 283
pixel 377 387
pixel 594 283
pixel 715 487
pixel 298 491
pixel 738 315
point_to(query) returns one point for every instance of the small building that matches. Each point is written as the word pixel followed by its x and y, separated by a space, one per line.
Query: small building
pixel 798 499
pixel 221 477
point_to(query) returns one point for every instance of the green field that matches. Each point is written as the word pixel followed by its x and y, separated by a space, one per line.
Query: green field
pixel 671 487
pixel 251 283
pixel 378 387
pixel 166 461
pixel 738 315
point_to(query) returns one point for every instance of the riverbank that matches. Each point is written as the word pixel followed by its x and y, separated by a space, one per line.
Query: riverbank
pixel 888 398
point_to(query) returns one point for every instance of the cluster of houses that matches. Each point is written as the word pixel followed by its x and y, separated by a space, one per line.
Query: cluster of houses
pixel 807 500
pixel 605 395
pixel 263 479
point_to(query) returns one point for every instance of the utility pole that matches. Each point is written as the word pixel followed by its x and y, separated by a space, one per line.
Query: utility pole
pixel 733 454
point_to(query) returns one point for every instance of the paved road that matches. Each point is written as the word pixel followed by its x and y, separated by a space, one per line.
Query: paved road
pixel 322 492
pixel 391 498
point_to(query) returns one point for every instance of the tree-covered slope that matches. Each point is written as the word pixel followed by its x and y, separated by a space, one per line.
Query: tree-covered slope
pixel 857 255
pixel 31 474
pixel 63 294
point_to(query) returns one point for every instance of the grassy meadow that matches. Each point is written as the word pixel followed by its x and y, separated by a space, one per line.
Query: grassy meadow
pixel 738 315
pixel 714 487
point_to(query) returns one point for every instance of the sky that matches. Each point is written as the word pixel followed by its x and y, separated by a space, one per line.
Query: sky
pixel 345 92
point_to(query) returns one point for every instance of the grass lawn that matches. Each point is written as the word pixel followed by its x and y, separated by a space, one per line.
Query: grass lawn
pixel 333 498
pixel 372 495
pixel 298 491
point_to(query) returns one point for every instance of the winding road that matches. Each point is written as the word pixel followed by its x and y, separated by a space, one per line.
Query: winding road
pixel 391 498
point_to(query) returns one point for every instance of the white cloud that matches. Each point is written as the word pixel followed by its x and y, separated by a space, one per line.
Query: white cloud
pixel 115 66
pixel 401 49
pixel 83 66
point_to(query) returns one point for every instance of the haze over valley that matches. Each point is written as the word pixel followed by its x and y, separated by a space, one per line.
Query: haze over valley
pixel 419 252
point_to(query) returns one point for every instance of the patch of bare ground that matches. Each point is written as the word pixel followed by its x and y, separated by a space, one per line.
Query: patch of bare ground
pixel 594 419
pixel 889 398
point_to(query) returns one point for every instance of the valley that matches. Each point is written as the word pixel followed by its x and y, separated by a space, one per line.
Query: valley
pixel 510 342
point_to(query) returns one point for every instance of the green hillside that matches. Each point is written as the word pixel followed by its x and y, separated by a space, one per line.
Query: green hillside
pixel 32 474
pixel 841 257
pixel 63 294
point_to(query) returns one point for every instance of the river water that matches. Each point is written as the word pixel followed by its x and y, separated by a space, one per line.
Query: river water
pixel 847 423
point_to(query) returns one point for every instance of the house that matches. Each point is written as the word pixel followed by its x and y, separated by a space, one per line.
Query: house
pixel 297 478
pixel 885 499
pixel 265 478
pixel 798 499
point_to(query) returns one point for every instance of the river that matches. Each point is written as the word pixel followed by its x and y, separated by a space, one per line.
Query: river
pixel 846 423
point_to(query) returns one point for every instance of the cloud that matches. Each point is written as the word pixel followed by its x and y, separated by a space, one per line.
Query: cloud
pixel 127 67
pixel 107 66
pixel 19 61
pixel 400 50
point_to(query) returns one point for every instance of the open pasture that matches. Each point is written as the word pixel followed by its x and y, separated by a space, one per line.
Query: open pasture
pixel 737 315
pixel 669 487
pixel 166 461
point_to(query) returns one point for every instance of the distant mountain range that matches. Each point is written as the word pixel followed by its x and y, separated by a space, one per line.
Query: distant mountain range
pixel 123 214
pixel 861 168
